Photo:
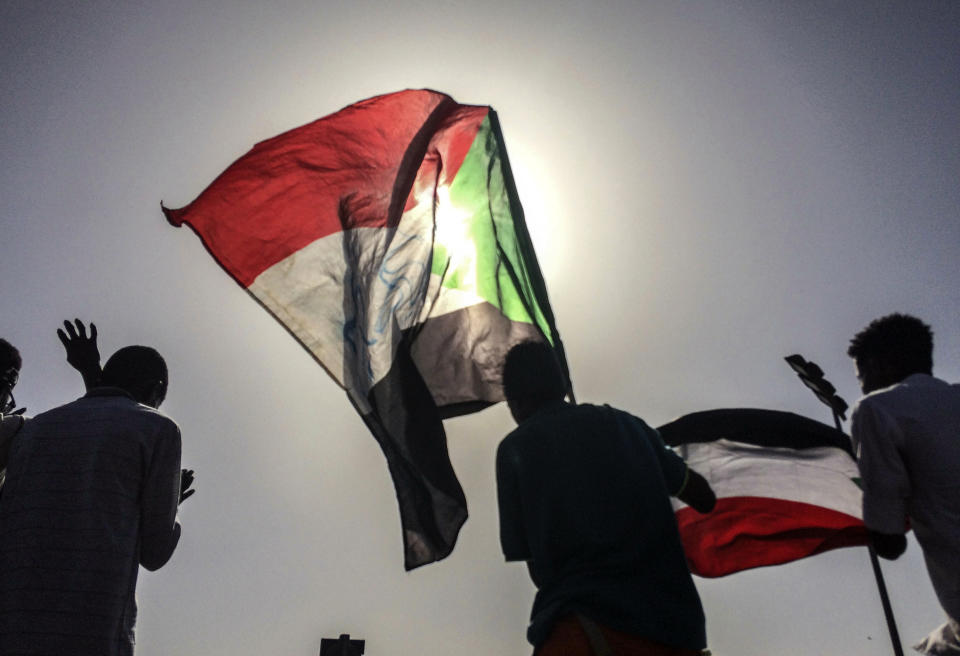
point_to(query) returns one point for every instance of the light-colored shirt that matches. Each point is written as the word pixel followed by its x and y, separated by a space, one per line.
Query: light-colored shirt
pixel 91 494
pixel 908 442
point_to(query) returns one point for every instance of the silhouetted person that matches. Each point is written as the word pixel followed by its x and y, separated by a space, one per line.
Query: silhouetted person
pixel 583 494
pixel 92 493
pixel 10 365
pixel 907 432
pixel 10 424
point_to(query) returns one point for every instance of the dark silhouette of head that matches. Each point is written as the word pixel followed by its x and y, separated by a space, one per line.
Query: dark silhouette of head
pixel 140 371
pixel 531 378
pixel 891 348
pixel 10 364
pixel 9 356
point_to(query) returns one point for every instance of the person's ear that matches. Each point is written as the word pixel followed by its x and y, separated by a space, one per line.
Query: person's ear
pixel 156 393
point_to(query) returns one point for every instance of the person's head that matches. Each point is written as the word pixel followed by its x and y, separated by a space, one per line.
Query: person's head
pixel 531 378
pixel 10 364
pixel 890 349
pixel 140 371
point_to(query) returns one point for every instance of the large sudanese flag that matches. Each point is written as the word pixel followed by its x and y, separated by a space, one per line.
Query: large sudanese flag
pixel 787 487
pixel 389 240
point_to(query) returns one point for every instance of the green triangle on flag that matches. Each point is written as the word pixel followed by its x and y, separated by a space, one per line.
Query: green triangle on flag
pixel 389 240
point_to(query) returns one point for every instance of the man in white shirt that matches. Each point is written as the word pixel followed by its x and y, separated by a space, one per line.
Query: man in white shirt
pixel 907 433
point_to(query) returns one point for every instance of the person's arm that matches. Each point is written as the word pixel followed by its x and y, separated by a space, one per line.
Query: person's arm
pixel 697 493
pixel 513 539
pixel 82 352
pixel 886 484
pixel 682 481
pixel 162 490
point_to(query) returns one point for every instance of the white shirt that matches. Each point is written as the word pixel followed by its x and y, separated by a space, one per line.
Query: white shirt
pixel 908 440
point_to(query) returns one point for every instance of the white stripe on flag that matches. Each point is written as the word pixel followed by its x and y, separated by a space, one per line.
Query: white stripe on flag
pixel 305 292
pixel 351 318
pixel 821 476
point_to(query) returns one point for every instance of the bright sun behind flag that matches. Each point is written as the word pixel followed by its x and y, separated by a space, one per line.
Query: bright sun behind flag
pixel 389 239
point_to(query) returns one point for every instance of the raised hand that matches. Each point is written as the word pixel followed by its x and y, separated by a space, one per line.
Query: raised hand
pixel 82 352
pixel 186 481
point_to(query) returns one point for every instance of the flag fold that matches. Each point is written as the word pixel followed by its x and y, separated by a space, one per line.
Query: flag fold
pixel 389 240
pixel 787 488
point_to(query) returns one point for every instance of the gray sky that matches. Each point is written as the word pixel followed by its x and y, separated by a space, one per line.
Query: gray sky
pixel 710 187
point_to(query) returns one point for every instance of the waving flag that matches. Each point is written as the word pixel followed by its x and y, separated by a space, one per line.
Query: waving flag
pixel 389 240
pixel 786 486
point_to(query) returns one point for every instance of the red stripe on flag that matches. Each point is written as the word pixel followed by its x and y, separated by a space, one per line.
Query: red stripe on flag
pixel 746 532
pixel 354 168
pixel 448 149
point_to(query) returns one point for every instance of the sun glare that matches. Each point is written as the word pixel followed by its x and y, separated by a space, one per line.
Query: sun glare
pixel 536 209
pixel 453 235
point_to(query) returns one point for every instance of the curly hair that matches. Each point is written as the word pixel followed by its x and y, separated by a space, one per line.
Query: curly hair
pixel 899 340
pixel 132 367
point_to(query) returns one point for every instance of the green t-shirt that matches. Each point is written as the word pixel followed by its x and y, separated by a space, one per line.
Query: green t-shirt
pixel 584 497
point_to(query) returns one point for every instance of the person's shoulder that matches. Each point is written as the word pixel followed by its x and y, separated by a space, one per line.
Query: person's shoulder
pixel 156 427
pixel 613 418
pixel 877 398
pixel 10 424
pixel 596 410
pixel 920 390
pixel 11 420
pixel 55 413
pixel 516 436
pixel 533 427
pixel 928 383
pixel 624 415
pixel 876 404
pixel 872 400
pixel 157 417
pixel 593 407
pixel 914 385
pixel 138 413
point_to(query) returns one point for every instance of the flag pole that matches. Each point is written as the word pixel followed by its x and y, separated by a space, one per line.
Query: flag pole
pixel 878 574
pixel 812 376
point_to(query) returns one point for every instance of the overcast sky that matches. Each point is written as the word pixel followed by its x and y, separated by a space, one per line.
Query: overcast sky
pixel 710 186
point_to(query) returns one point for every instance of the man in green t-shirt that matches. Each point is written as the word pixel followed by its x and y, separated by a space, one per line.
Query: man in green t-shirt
pixel 583 494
